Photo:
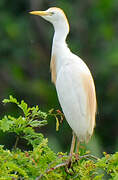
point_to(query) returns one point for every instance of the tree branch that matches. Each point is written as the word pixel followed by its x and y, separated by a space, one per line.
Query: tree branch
pixel 16 143
pixel 87 156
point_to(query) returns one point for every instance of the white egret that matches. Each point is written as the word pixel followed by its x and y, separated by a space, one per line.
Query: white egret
pixel 72 78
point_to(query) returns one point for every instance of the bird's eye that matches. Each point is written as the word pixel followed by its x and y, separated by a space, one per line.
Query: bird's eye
pixel 52 13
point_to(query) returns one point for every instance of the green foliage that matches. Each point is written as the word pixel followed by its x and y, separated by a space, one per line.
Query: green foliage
pixel 23 126
pixel 41 162
pixel 25 45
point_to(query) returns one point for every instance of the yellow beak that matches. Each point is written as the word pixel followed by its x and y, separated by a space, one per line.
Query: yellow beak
pixel 40 13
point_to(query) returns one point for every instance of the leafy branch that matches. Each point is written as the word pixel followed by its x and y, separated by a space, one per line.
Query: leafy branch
pixel 41 162
pixel 23 126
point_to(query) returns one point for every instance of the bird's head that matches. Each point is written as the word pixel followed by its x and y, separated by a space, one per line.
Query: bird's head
pixel 54 15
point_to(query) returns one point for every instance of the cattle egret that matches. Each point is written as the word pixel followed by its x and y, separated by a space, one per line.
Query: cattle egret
pixel 72 79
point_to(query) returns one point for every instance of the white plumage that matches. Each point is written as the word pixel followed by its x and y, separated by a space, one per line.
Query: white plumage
pixel 72 78
pixel 73 99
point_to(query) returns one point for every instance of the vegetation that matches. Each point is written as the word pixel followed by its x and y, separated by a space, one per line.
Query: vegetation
pixel 25 45
pixel 40 162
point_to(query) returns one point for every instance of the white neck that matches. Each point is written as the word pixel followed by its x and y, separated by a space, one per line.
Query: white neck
pixel 59 37
pixel 61 31
pixel 59 46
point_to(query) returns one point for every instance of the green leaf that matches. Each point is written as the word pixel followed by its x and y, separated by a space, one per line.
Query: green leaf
pixel 5 124
pixel 57 124
pixel 37 123
pixel 24 108
pixel 10 100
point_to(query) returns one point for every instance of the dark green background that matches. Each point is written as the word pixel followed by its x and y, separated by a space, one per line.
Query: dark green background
pixel 25 48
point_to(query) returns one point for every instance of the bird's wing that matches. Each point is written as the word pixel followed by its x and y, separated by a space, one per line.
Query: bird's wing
pixel 76 94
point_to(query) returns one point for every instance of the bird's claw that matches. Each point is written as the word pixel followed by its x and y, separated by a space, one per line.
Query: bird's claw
pixel 69 162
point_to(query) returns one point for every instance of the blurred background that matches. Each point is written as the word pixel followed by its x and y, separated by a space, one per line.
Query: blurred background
pixel 25 49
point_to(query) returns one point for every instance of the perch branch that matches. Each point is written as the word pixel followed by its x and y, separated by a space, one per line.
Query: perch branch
pixel 48 170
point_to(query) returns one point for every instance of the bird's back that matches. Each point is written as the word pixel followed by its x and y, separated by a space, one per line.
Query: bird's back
pixel 76 94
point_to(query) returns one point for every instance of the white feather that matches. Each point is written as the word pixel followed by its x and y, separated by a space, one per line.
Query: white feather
pixel 73 98
pixel 73 80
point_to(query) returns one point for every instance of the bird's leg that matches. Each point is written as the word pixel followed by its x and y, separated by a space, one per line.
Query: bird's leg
pixel 77 149
pixel 71 149
pixel 72 144
pixel 78 145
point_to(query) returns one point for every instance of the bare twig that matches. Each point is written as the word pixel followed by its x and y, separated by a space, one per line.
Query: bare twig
pixel 16 143
pixel 52 169
pixel 87 156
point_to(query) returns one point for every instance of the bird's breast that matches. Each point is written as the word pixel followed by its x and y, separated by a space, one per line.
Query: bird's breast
pixel 53 69
pixel 58 60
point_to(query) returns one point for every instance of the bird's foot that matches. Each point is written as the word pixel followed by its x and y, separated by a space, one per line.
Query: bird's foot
pixel 69 168
pixel 72 159
pixel 74 156
pixel 69 162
